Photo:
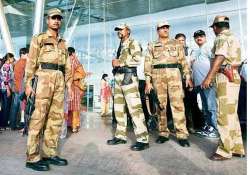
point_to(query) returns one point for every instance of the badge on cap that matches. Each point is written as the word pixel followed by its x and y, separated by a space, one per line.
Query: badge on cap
pixel 54 11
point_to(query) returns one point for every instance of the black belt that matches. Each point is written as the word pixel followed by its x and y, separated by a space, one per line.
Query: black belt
pixel 53 67
pixel 122 70
pixel 162 66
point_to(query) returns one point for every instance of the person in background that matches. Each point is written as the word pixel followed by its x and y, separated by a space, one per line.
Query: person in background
pixel 141 87
pixel 242 104
pixel 74 105
pixel 6 85
pixel 105 95
pixel 190 98
pixel 18 87
pixel 200 66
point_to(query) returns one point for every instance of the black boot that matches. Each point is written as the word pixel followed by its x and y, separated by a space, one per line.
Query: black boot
pixel 139 146
pixel 161 139
pixel 56 161
pixel 38 166
pixel 116 141
pixel 184 142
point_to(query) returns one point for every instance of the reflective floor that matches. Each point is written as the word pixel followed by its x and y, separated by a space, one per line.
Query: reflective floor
pixel 88 154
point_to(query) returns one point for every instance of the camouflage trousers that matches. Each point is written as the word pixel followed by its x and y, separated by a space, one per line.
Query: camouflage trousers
pixel 47 116
pixel 228 121
pixel 129 95
pixel 167 82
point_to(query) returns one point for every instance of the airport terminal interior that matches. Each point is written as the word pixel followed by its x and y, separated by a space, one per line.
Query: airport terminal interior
pixel 88 26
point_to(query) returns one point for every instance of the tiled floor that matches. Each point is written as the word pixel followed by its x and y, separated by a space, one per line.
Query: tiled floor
pixel 88 154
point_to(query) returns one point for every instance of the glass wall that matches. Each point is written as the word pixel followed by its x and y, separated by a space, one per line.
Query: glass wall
pixel 89 26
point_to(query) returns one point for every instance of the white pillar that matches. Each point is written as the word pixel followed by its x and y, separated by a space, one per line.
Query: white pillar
pixel 5 30
pixel 38 20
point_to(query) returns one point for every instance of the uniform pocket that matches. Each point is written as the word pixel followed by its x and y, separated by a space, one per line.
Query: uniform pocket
pixel 158 52
pixel 173 52
pixel 48 47
pixel 47 53
pixel 43 90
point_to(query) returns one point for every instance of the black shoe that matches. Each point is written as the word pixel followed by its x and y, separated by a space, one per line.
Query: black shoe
pixel 217 157
pixel 184 142
pixel 43 162
pixel 38 166
pixel 139 146
pixel 56 161
pixel 239 155
pixel 116 141
pixel 161 139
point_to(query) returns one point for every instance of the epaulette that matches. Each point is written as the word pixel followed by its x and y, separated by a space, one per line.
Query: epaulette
pixel 39 35
pixel 173 41
pixel 155 44
pixel 40 38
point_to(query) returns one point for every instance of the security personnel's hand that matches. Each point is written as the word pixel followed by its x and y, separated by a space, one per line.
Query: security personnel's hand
pixel 29 91
pixel 115 63
pixel 148 88
pixel 189 84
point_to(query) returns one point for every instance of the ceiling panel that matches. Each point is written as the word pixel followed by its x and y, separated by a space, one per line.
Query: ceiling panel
pixel 21 25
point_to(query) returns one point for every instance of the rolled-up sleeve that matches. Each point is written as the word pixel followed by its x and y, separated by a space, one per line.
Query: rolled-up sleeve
pixel 31 64
pixel 148 63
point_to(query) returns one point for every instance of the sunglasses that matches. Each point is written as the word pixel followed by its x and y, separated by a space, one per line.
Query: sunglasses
pixel 59 18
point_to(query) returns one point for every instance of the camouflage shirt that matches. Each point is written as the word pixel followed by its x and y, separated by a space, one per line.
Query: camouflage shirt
pixel 131 53
pixel 227 45
pixel 170 53
pixel 46 49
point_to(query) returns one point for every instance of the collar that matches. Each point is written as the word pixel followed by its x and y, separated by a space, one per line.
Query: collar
pixel 126 42
pixel 59 38
pixel 227 31
pixel 158 42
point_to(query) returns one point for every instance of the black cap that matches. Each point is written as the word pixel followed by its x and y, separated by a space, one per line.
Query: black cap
pixel 199 33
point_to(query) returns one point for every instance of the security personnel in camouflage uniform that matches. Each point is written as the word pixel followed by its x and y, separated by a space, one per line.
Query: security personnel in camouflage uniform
pixel 227 58
pixel 165 61
pixel 126 91
pixel 48 59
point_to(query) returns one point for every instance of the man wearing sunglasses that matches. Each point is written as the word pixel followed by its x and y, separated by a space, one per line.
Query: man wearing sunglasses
pixel 48 59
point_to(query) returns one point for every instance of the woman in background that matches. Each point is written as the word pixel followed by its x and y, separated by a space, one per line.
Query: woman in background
pixel 105 95
pixel 74 105
pixel 6 84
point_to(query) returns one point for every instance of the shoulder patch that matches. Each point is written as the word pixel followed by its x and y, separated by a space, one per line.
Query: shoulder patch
pixel 156 44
